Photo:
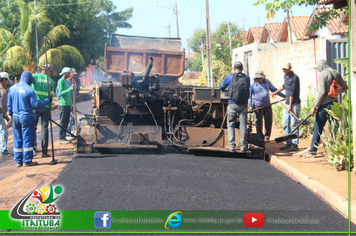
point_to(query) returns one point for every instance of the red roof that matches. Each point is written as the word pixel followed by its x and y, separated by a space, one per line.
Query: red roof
pixel 254 34
pixel 297 25
pixel 334 25
pixel 273 29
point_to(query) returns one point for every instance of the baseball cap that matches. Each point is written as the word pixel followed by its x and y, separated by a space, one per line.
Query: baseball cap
pixel 238 65
pixel 287 65
pixel 48 65
pixel 73 71
pixel 65 70
pixel 4 75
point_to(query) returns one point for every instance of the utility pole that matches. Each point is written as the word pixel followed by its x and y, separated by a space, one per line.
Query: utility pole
pixel 202 50
pixel 228 24
pixel 169 30
pixel 177 20
pixel 289 30
pixel 208 46
pixel 36 38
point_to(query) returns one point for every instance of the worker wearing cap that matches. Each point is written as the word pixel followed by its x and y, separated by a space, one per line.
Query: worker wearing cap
pixel 4 77
pixel 65 102
pixel 292 87
pixel 41 89
pixel 21 101
pixel 71 124
pixel 323 102
pixel 233 109
pixel 260 99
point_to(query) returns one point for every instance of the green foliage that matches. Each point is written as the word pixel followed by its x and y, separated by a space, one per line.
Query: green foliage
pixel 198 37
pixel 91 23
pixel 277 111
pixel 220 71
pixel 321 19
pixel 304 130
pixel 195 63
pixel 336 139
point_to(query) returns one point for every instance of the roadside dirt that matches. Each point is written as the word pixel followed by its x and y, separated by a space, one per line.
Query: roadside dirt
pixel 317 168
pixel 16 182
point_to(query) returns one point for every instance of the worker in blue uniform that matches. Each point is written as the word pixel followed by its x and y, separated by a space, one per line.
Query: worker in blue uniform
pixel 21 101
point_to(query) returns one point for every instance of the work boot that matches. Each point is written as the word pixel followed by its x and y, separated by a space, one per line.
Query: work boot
pixel 63 141
pixel 231 149
pixel 70 138
pixel 31 164
pixel 310 155
pixel 18 164
pixel 45 155
pixel 243 149
pixel 293 148
pixel 285 147
pixel 5 154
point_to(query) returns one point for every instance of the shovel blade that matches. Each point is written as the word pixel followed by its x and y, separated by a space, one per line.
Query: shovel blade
pixel 285 138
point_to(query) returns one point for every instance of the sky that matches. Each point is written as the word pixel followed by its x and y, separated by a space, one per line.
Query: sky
pixel 151 17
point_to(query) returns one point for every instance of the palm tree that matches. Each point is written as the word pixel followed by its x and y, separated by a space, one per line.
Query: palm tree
pixel 19 53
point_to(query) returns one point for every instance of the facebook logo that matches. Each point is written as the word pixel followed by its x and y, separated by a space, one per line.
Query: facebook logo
pixel 102 219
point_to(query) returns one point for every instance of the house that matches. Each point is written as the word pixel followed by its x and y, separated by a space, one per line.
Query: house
pixel 270 32
pixel 297 27
pixel 335 29
pixel 254 34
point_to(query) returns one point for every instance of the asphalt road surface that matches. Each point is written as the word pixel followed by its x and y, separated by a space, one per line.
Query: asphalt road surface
pixel 187 182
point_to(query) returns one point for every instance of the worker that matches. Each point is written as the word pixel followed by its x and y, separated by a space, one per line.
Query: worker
pixel 65 102
pixel 41 89
pixel 21 101
pixel 4 77
pixel 239 87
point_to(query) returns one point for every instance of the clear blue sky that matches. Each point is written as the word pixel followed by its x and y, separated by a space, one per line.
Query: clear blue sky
pixel 152 21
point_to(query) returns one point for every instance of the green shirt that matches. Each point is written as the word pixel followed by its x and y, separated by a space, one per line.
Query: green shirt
pixel 41 88
pixel 64 92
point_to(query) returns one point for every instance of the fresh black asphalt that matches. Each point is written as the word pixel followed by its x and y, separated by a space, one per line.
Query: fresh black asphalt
pixel 187 182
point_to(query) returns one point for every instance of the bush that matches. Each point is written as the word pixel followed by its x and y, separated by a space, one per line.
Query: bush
pixel 304 130
pixel 336 139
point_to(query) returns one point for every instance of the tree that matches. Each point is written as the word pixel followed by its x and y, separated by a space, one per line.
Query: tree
pixel 195 63
pixel 91 23
pixel 285 5
pixel 18 49
pixel 220 42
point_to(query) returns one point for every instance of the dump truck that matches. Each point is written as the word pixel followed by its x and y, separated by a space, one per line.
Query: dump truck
pixel 144 109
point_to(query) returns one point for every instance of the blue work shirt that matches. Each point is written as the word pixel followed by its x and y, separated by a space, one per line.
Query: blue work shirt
pixel 22 98
pixel 227 82
pixel 259 93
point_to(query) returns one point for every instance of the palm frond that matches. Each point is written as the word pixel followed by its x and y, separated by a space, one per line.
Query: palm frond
pixel 56 35
pixel 26 11
pixel 59 56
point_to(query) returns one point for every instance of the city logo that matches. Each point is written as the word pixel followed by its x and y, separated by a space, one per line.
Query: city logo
pixel 41 213
pixel 102 220
pixel 174 220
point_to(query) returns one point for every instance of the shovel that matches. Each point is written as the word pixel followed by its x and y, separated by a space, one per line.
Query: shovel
pixel 265 106
pixel 291 135
pixel 299 121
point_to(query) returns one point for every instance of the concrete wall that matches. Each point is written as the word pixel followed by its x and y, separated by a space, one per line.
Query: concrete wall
pixel 302 56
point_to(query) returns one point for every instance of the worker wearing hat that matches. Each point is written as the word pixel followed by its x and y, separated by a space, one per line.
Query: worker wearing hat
pixel 260 100
pixel 65 102
pixel 292 87
pixel 4 77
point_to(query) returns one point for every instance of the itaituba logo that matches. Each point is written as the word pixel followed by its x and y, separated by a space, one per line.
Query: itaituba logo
pixel 37 209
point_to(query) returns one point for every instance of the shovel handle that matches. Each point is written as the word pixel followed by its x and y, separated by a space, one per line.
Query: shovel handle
pixel 265 106
pixel 300 123
pixel 287 108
